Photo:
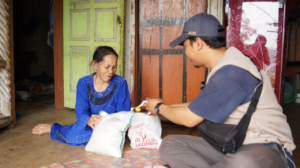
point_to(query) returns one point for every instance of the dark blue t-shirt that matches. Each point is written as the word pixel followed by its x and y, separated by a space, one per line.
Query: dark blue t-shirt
pixel 227 89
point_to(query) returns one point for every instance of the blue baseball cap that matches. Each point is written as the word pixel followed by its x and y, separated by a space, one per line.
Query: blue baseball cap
pixel 200 25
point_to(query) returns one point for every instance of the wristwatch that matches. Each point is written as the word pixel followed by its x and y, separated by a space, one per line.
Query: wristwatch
pixel 157 108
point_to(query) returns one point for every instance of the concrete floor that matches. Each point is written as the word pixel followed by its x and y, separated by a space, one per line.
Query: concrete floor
pixel 19 148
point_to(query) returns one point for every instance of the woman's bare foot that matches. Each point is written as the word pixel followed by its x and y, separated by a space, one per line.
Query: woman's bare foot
pixel 41 129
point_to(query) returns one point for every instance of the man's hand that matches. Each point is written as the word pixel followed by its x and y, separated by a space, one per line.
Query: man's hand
pixel 94 120
pixel 150 106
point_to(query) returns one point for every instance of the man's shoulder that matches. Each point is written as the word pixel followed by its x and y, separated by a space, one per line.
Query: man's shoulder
pixel 234 73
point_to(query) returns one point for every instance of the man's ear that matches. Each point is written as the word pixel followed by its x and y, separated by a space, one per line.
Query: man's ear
pixel 199 43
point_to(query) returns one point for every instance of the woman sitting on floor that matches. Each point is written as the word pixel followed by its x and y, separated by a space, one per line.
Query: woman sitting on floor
pixel 102 90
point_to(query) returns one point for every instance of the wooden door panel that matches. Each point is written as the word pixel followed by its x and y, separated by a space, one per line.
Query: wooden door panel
pixel 194 78
pixel 79 20
pixel 172 68
pixel 79 65
pixel 87 25
pixel 167 73
pixel 150 36
pixel 172 9
pixel 149 8
pixel 150 76
pixel 169 34
pixel 105 29
pixel 195 6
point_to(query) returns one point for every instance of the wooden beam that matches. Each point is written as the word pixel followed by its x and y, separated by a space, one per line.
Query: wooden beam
pixel 134 50
pixel 2 64
pixel 12 67
pixel 136 55
pixel 215 8
pixel 58 53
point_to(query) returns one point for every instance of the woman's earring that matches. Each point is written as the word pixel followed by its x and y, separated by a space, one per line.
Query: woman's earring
pixel 95 70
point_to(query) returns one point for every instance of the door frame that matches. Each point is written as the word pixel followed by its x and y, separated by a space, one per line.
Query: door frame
pixel 11 56
pixel 134 52
pixel 58 53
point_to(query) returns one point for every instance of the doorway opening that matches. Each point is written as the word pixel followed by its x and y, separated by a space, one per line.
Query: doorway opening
pixel 33 52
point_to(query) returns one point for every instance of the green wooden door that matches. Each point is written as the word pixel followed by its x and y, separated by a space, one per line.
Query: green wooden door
pixel 87 25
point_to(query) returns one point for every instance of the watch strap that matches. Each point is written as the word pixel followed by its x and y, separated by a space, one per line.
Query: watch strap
pixel 157 108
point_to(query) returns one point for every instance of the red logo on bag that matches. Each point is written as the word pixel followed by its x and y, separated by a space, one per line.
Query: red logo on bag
pixel 136 126
pixel 145 142
pixel 144 136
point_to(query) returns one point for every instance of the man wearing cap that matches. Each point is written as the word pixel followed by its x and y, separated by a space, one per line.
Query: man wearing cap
pixel 229 89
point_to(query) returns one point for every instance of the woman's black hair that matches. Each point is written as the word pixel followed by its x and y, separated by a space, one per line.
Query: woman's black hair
pixel 102 51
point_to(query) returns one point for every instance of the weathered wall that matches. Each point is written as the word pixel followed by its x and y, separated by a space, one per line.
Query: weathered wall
pixel 5 106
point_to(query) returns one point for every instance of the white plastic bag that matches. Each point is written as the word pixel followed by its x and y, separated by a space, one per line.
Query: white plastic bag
pixel 145 131
pixel 108 137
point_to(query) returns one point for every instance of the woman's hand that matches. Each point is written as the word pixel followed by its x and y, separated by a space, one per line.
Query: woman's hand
pixel 94 120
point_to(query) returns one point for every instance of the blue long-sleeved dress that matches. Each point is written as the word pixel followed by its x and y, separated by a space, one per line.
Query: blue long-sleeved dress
pixel 88 101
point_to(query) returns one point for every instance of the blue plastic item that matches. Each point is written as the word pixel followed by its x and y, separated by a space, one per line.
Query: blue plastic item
pixel 18 114
pixel 290 93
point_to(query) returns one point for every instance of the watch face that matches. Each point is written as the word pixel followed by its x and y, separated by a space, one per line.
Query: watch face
pixel 156 109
